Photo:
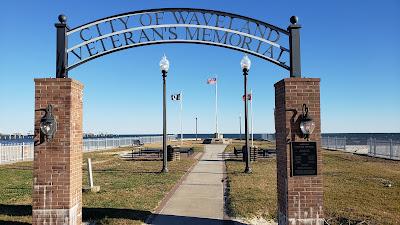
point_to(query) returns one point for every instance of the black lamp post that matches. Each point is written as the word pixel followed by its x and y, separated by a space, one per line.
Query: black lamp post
pixel 245 64
pixel 164 66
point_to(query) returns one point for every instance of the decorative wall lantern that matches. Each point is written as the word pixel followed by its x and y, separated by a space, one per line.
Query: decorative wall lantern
pixel 48 124
pixel 307 124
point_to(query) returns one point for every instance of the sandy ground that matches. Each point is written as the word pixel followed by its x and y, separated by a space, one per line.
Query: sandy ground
pixel 256 221
pixel 360 149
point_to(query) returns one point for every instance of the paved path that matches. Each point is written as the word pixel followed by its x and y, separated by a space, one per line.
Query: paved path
pixel 200 198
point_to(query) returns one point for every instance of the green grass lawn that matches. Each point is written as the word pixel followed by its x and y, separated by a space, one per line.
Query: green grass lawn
pixel 239 144
pixel 355 189
pixel 130 190
pixel 253 195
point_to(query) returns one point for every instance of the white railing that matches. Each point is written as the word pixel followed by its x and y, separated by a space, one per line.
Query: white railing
pixel 334 143
pixel 17 152
pixel 388 149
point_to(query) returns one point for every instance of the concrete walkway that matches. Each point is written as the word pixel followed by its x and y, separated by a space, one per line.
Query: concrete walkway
pixel 200 198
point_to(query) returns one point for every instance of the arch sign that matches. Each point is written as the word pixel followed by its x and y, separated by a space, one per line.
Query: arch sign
pixel 177 25
pixel 57 187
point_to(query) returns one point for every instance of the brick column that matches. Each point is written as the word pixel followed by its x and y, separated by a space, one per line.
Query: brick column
pixel 57 166
pixel 300 198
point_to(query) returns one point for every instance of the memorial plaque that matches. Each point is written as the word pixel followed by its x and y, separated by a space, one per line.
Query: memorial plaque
pixel 303 158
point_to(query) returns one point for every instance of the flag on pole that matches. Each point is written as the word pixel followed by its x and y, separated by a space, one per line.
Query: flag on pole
pixel 212 80
pixel 248 97
pixel 176 97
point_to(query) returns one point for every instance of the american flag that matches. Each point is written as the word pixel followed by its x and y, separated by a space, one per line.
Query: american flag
pixel 248 97
pixel 212 80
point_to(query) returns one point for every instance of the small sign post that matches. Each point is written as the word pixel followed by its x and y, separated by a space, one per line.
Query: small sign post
pixel 91 187
pixel 303 158
pixel 90 175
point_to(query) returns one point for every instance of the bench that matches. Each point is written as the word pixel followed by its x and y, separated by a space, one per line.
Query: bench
pixel 260 151
pixel 207 141
pixel 150 151
pixel 141 151
pixel 137 143
pixel 188 151
pixel 237 152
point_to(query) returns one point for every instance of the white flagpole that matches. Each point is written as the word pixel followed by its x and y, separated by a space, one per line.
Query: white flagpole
pixel 240 126
pixel 251 110
pixel 180 115
pixel 216 105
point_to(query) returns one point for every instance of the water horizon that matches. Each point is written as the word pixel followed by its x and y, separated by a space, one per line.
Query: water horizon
pixel 351 138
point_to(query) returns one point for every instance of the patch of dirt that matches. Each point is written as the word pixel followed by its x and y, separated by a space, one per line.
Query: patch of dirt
pixel 255 221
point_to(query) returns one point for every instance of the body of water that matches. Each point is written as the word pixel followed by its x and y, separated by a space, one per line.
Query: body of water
pixel 30 139
pixel 351 138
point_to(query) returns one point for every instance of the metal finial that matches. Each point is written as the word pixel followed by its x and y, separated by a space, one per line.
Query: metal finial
pixel 62 18
pixel 294 19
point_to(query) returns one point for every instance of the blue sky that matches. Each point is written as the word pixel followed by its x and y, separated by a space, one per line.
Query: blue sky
pixel 351 45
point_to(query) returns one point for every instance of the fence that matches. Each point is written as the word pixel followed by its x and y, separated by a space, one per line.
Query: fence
pixel 269 137
pixel 388 149
pixel 334 143
pixel 16 152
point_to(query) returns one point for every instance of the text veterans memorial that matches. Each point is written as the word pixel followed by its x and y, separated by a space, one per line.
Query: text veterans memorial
pixel 177 26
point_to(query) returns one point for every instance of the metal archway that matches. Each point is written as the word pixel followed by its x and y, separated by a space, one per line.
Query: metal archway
pixel 177 25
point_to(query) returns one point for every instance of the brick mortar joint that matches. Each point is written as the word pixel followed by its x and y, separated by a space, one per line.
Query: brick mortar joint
pixel 61 80
pixel 283 82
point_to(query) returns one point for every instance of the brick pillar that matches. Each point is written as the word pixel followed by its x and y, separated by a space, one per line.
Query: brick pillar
pixel 300 198
pixel 57 166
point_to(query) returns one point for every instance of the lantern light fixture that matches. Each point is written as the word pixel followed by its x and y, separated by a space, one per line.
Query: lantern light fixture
pixel 307 124
pixel 164 64
pixel 245 63
pixel 48 124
